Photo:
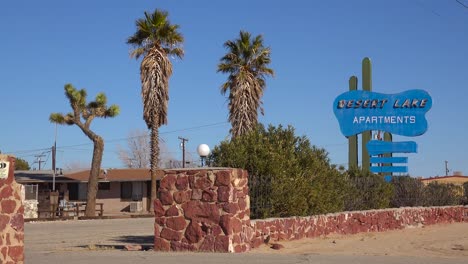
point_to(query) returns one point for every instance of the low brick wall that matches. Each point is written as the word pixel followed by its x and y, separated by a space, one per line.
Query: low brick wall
pixel 351 223
pixel 11 217
pixel 203 210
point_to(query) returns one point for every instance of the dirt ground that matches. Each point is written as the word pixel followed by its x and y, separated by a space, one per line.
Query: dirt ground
pixel 450 241
pixel 101 241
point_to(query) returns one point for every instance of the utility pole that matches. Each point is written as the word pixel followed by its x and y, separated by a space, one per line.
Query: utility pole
pixel 54 153
pixel 182 143
pixel 446 168
pixel 54 150
pixel 39 160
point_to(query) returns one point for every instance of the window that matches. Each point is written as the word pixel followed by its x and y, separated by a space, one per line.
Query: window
pixel 104 186
pixel 82 191
pixel 126 190
pixel 77 191
pixel 131 191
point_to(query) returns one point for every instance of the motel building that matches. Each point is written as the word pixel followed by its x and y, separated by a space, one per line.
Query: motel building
pixel 120 192
pixel 457 178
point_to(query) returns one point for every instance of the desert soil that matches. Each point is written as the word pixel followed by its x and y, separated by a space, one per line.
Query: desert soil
pixel 449 240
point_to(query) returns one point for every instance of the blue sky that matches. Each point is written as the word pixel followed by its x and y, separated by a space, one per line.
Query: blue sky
pixel 316 46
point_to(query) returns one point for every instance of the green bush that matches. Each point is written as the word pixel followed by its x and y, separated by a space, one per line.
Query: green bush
pixel 290 177
pixel 287 175
pixel 329 193
pixel 367 191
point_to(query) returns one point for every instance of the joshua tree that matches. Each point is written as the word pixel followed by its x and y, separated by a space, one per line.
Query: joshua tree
pixel 82 115
pixel 246 62
pixel 155 39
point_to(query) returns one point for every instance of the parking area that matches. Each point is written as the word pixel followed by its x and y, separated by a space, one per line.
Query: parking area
pixel 101 241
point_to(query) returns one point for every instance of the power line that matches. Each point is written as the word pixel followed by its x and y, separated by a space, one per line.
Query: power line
pixel 27 151
pixel 162 133
pixel 117 139
pixel 422 5
pixel 462 4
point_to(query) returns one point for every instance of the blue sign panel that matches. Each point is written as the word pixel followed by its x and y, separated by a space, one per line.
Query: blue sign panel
pixel 400 169
pixel 377 147
pixel 390 160
pixel 402 114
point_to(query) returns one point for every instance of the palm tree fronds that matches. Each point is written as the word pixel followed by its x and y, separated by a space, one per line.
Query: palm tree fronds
pixel 155 30
pixel 246 62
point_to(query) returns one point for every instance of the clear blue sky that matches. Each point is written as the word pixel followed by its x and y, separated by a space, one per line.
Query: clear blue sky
pixel 316 46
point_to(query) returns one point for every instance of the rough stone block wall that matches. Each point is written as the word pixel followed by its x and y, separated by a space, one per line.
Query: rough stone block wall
pixel 351 223
pixel 11 217
pixel 203 210
pixel 30 209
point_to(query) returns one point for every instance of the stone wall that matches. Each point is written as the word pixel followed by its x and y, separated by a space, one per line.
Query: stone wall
pixel 209 210
pixel 11 216
pixel 30 209
pixel 352 222
pixel 203 210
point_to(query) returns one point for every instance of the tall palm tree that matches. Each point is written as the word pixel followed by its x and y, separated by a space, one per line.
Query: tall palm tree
pixel 155 39
pixel 246 62
pixel 82 115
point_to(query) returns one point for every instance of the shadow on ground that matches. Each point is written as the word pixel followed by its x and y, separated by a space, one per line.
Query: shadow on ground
pixel 146 242
pixel 141 240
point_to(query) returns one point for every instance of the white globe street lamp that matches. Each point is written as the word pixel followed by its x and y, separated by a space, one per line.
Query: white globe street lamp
pixel 203 150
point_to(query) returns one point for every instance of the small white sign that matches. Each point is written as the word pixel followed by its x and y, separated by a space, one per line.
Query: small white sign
pixel 4 166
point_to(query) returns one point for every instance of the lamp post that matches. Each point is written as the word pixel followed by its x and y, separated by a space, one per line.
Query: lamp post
pixel 203 150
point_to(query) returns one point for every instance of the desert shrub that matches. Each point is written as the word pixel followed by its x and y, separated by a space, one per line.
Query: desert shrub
pixel 329 192
pixel 442 194
pixel 288 176
pixel 367 191
pixel 407 191
pixel 465 193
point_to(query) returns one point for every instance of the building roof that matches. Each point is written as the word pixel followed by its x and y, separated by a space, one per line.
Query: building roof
pixel 38 176
pixel 106 175
pixel 456 179
pixel 117 175
pixel 445 177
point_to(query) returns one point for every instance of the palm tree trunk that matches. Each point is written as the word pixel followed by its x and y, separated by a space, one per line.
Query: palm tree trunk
pixel 94 176
pixel 154 161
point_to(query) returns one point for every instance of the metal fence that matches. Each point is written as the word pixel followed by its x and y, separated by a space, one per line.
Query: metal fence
pixel 31 192
pixel 259 189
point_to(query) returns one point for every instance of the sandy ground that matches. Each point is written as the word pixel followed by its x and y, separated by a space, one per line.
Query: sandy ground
pixel 101 241
pixel 448 241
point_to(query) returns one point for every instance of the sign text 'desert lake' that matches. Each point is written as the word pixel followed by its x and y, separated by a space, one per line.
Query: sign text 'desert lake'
pixel 402 114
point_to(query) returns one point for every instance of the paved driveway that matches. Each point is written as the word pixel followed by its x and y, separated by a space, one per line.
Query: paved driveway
pixel 99 241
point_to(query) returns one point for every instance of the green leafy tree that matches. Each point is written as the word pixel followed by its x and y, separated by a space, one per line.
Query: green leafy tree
pixel 155 39
pixel 82 115
pixel 21 164
pixel 246 62
pixel 282 170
